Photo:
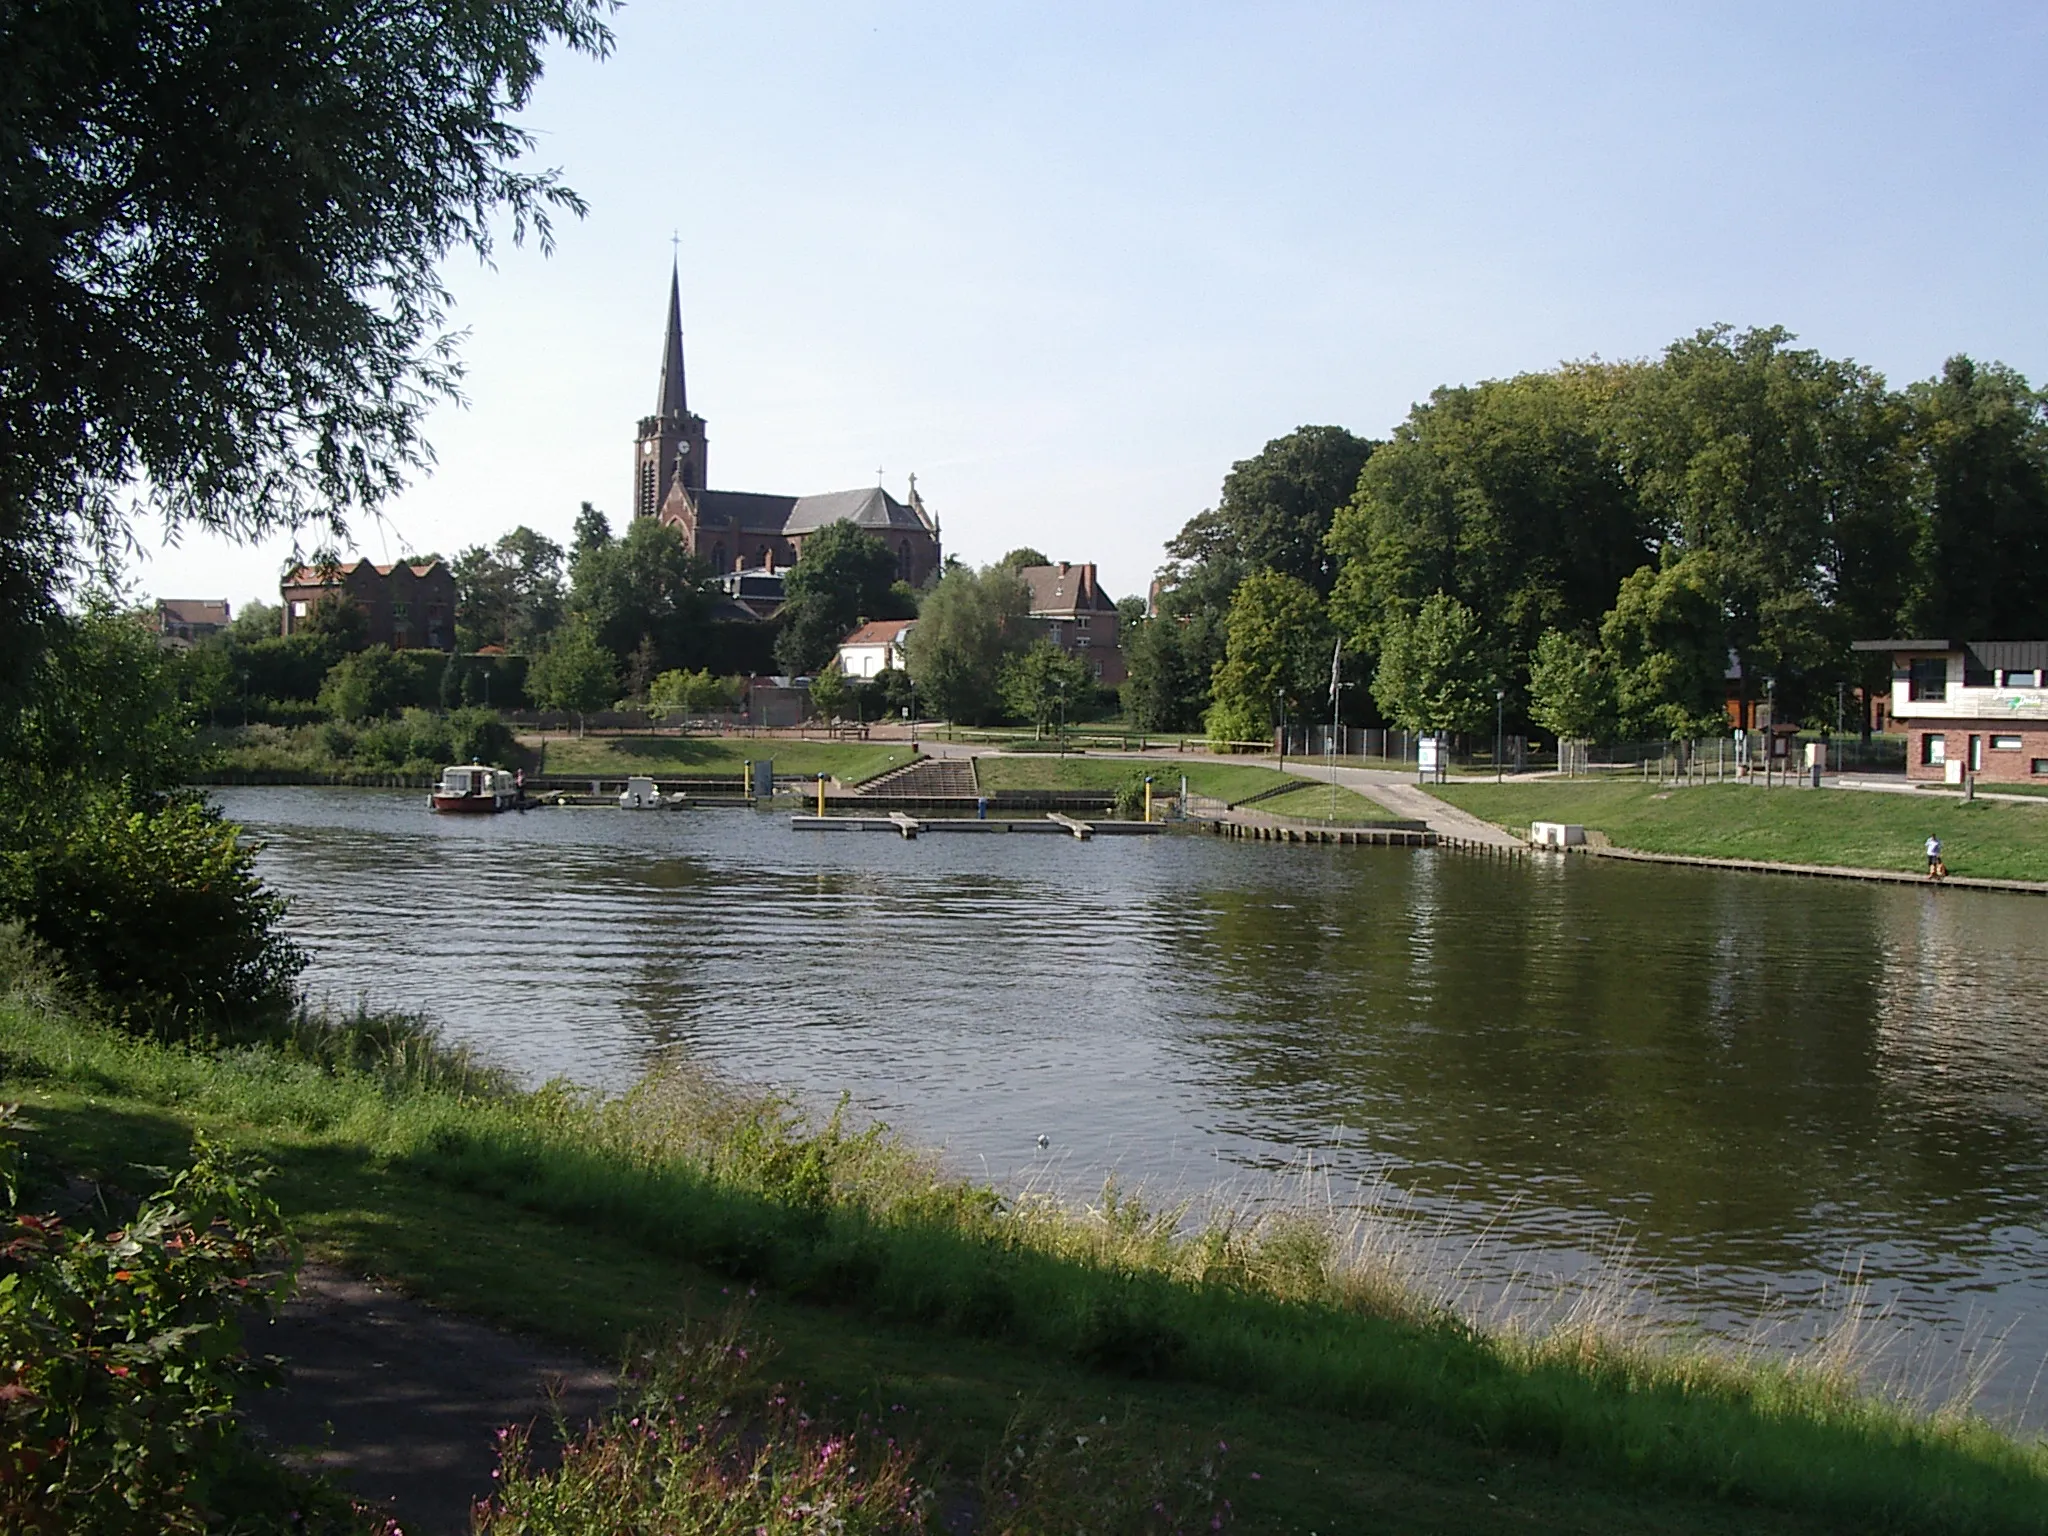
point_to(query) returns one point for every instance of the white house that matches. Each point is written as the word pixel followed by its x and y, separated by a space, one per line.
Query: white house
pixel 874 647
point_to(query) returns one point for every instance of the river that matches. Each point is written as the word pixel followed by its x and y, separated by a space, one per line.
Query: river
pixel 1755 1085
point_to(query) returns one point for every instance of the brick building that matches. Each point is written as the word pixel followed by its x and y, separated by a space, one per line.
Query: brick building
pixel 406 606
pixel 1077 616
pixel 179 621
pixel 754 530
pixel 1970 706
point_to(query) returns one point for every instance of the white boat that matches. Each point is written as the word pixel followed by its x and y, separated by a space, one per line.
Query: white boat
pixel 472 789
pixel 640 795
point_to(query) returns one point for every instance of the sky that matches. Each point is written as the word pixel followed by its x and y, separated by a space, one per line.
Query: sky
pixel 1068 262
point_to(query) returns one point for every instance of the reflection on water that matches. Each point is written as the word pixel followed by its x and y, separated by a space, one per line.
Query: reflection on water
pixel 1758 1080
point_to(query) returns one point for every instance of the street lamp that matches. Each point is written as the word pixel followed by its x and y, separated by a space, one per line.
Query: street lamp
pixel 913 711
pixel 1062 686
pixel 1500 696
pixel 1280 701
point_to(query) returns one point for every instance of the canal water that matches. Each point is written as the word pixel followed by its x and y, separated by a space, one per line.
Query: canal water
pixel 1740 1089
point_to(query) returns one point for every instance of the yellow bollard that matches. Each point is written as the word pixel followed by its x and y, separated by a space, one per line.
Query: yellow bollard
pixel 1148 797
pixel 821 794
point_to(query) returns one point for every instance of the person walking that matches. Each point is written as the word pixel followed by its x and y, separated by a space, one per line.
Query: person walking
pixel 1936 870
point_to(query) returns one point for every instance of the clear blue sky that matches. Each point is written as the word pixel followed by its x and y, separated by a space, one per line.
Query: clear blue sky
pixel 1068 262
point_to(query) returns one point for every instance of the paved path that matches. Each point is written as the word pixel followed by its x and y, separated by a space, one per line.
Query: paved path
pixel 400 1401
pixel 1399 793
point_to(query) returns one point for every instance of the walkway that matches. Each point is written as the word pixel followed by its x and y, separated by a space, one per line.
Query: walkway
pixel 1399 793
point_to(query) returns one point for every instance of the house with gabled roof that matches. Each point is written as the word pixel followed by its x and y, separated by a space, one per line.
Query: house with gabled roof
pixel 754 530
pixel 1070 607
pixel 406 605
pixel 875 647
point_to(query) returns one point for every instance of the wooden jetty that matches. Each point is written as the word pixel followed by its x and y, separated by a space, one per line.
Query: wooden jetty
pixel 908 826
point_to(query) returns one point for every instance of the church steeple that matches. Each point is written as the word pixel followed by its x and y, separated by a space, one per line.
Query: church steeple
pixel 670 448
pixel 675 398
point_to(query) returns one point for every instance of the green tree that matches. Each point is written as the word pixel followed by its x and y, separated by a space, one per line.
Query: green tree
pixel 1569 692
pixel 969 625
pixel 1508 496
pixel 1278 505
pixel 1667 644
pixel 1035 681
pixel 593 530
pixel 844 577
pixel 367 685
pixel 227 232
pixel 1278 649
pixel 509 593
pixel 830 692
pixel 1022 556
pixel 691 693
pixel 1980 435
pixel 257 621
pixel 1436 671
pixel 643 588
pixel 575 673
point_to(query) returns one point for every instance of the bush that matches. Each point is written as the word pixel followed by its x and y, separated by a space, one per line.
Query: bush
pixel 479 736
pixel 120 1356
pixel 416 738
pixel 160 913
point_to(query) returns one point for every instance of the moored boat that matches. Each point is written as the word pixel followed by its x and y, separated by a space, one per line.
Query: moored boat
pixel 475 790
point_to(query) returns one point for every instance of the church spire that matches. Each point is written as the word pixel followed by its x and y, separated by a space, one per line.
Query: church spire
pixel 674 403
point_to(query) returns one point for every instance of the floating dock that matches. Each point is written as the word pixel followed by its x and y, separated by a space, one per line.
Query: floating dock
pixel 908 826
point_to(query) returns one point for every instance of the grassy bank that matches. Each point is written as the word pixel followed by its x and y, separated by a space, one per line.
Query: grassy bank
pixel 715 756
pixel 1861 829
pixel 1310 801
pixel 1219 780
pixel 1355 1401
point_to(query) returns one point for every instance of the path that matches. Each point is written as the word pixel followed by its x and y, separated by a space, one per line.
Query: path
pixel 1399 793
pixel 400 1401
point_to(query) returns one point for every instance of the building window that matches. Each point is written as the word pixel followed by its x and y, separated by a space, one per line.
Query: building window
pixel 298 608
pixel 1927 682
pixel 1080 621
pixel 2005 743
pixel 1933 749
pixel 2040 768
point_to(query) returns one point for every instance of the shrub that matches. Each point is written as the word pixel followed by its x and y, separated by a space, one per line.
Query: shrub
pixel 416 737
pixel 120 1356
pixel 160 913
pixel 479 736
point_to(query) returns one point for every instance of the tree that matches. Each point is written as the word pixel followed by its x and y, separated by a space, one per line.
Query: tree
pixel 970 624
pixel 256 621
pixel 843 577
pixel 574 674
pixel 1667 642
pixel 1035 681
pixel 1508 496
pixel 593 530
pixel 1278 650
pixel 227 229
pixel 830 692
pixel 1980 434
pixel 644 587
pixel 1025 555
pixel 510 593
pixel 367 685
pixel 691 693
pixel 1277 506
pixel 1569 692
pixel 1435 673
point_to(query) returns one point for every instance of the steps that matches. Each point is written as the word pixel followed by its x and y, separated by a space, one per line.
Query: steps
pixel 933 778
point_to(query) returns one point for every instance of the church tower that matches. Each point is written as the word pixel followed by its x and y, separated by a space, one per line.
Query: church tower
pixel 671 445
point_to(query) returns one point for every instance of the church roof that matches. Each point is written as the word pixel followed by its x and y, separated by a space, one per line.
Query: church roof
pixel 871 509
pixel 675 399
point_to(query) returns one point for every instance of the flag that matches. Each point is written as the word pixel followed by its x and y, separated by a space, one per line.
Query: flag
pixel 1336 671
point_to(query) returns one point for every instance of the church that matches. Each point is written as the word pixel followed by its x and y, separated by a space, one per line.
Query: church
pixel 752 530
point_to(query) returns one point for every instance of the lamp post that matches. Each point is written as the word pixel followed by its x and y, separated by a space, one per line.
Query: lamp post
pixel 1500 696
pixel 1280 702
pixel 1062 686
pixel 913 711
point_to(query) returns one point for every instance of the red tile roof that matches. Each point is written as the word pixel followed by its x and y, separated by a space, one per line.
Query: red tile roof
pixel 879 632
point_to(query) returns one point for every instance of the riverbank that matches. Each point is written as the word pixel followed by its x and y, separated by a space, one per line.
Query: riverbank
pixel 1829 827
pixel 1348 1398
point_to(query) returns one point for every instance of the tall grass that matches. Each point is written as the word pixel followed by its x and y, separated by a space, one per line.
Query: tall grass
pixel 1334 1312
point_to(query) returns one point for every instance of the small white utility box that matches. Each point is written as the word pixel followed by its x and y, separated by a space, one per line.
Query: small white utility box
pixel 640 795
pixel 1817 755
pixel 1557 834
pixel 1952 771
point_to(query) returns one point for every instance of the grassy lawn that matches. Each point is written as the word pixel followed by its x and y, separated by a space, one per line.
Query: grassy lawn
pixel 1319 802
pixel 536 1212
pixel 1859 828
pixel 1220 780
pixel 851 762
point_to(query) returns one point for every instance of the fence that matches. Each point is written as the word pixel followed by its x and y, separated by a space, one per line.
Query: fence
pixel 1397 748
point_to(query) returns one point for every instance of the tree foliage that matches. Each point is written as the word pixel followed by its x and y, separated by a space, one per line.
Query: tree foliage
pixel 1278 648
pixel 970 624
pixel 575 673
pixel 1037 680
pixel 1277 506
pixel 226 229
pixel 1569 692
pixel 645 588
pixel 1436 671
pixel 508 593
pixel 1666 640
pixel 844 578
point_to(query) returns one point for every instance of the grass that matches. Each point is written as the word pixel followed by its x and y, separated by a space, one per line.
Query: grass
pixel 718 757
pixel 1311 801
pixel 1219 780
pixel 1861 829
pixel 1308 1347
